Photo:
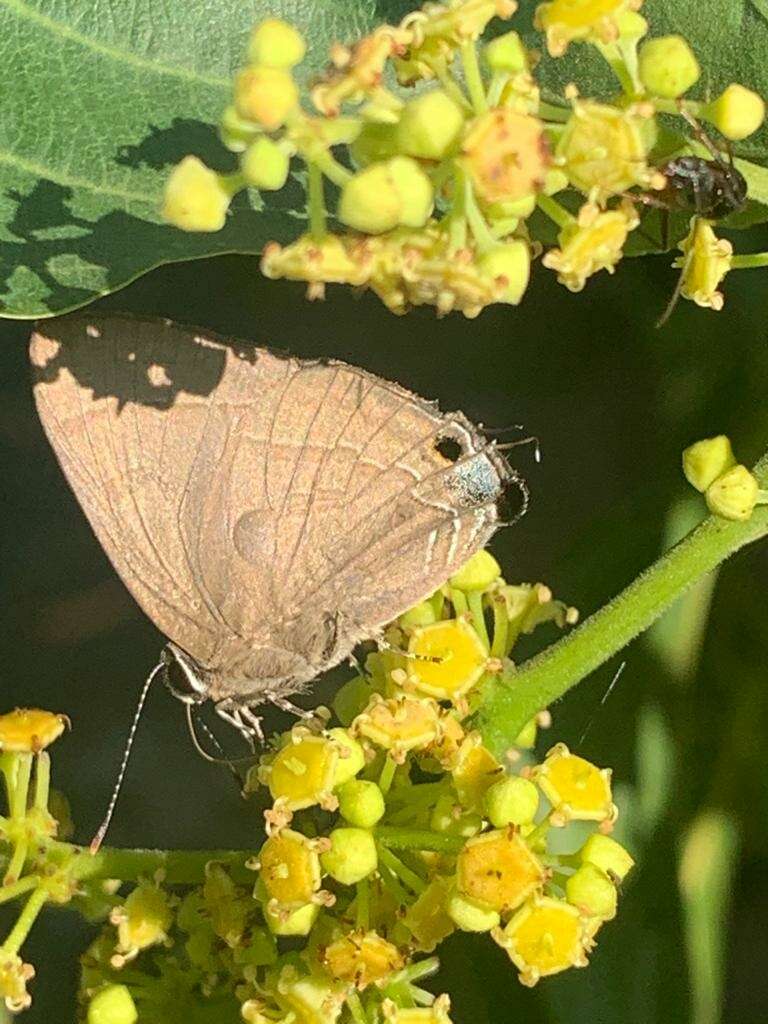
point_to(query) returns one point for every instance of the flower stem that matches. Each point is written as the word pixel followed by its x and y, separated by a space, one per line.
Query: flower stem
pixel 513 698
pixel 316 202
pixel 24 922
pixel 418 839
pixel 179 867
pixel 555 211
pixel 474 79
pixel 747 261
pixel 10 892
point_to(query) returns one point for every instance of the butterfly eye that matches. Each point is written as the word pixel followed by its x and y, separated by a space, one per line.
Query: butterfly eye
pixel 449 448
pixel 181 677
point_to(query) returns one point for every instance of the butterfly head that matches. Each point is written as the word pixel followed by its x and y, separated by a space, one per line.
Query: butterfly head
pixel 182 676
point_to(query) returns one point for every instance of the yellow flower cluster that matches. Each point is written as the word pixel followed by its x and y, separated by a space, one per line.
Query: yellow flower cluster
pixel 437 208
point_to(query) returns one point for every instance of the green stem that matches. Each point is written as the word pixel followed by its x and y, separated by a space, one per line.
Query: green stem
pixel 615 58
pixel 387 774
pixel 555 211
pixel 515 697
pixel 418 839
pixel 748 261
pixel 475 602
pixel 316 202
pixel 403 872
pixel 474 79
pixel 24 922
pixel 549 112
pixel 498 80
pixel 10 892
pixel 356 1010
pixel 179 867
pixel 16 865
pixel 363 905
pixel 42 780
pixel 500 625
pixel 332 169
pixel 451 86
pixel 477 224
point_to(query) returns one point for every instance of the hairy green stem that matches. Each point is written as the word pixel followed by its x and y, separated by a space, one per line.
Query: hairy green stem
pixel 748 261
pixel 517 695
pixel 179 867
pixel 418 839
pixel 473 77
pixel 555 211
pixel 316 202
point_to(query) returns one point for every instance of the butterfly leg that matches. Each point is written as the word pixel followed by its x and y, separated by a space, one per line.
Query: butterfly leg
pixel 244 720
pixel 286 705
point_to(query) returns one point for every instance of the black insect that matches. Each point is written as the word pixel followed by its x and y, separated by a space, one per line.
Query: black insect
pixel 712 188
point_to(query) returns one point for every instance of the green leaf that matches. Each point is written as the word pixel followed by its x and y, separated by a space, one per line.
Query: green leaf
pixel 99 102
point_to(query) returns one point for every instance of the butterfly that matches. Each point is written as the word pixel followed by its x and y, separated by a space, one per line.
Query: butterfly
pixel 267 513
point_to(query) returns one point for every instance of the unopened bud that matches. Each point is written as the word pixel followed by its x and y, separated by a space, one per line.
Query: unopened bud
pixel 361 803
pixel 265 165
pixel 734 494
pixel 705 461
pixel 511 801
pixel 737 112
pixel 592 891
pixel 196 198
pixel 471 916
pixel 506 53
pixel 112 1004
pixel 478 573
pixel 430 125
pixel 511 264
pixel 265 95
pixel 668 66
pixel 276 44
pixel 352 856
pixel 605 853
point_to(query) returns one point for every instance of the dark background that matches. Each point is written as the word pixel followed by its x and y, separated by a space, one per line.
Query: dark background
pixel 613 402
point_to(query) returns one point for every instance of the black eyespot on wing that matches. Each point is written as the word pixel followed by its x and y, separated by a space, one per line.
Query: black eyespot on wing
pixel 449 448
pixel 512 501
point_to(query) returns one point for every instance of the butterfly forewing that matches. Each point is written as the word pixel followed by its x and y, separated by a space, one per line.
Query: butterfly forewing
pixel 266 512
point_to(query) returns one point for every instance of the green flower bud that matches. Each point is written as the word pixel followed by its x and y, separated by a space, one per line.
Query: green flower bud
pixel 478 573
pixel 668 66
pixel 415 191
pixel 607 854
pixel 705 461
pixel 352 856
pixel 470 915
pixel 631 25
pixel 527 735
pixel 234 132
pixel 112 1005
pixel 196 198
pixel 506 208
pixel 734 494
pixel 351 698
pixel 385 195
pixel 511 263
pixel 265 95
pixel 422 614
pixel 737 112
pixel 265 165
pixel 351 757
pixel 449 816
pixel 361 803
pixel 430 125
pixel 591 890
pixel 506 53
pixel 369 201
pixel 291 922
pixel 555 181
pixel 276 44
pixel 511 801
pixel 375 142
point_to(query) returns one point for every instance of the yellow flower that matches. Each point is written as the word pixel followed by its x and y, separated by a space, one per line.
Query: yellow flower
pixel 306 259
pixel 142 921
pixel 459 659
pixel 498 869
pixel 14 975
pixel 565 21
pixel 437 1013
pixel 363 958
pixel 474 771
pixel 399 724
pixel 505 155
pixel 603 149
pixel 427 919
pixel 302 772
pixel 290 868
pixel 576 788
pixel 705 261
pixel 312 1000
pixel 544 937
pixel 30 730
pixel 590 244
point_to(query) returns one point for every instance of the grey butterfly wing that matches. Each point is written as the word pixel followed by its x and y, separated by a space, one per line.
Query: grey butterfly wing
pixel 375 516
pixel 250 500
pixel 135 413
